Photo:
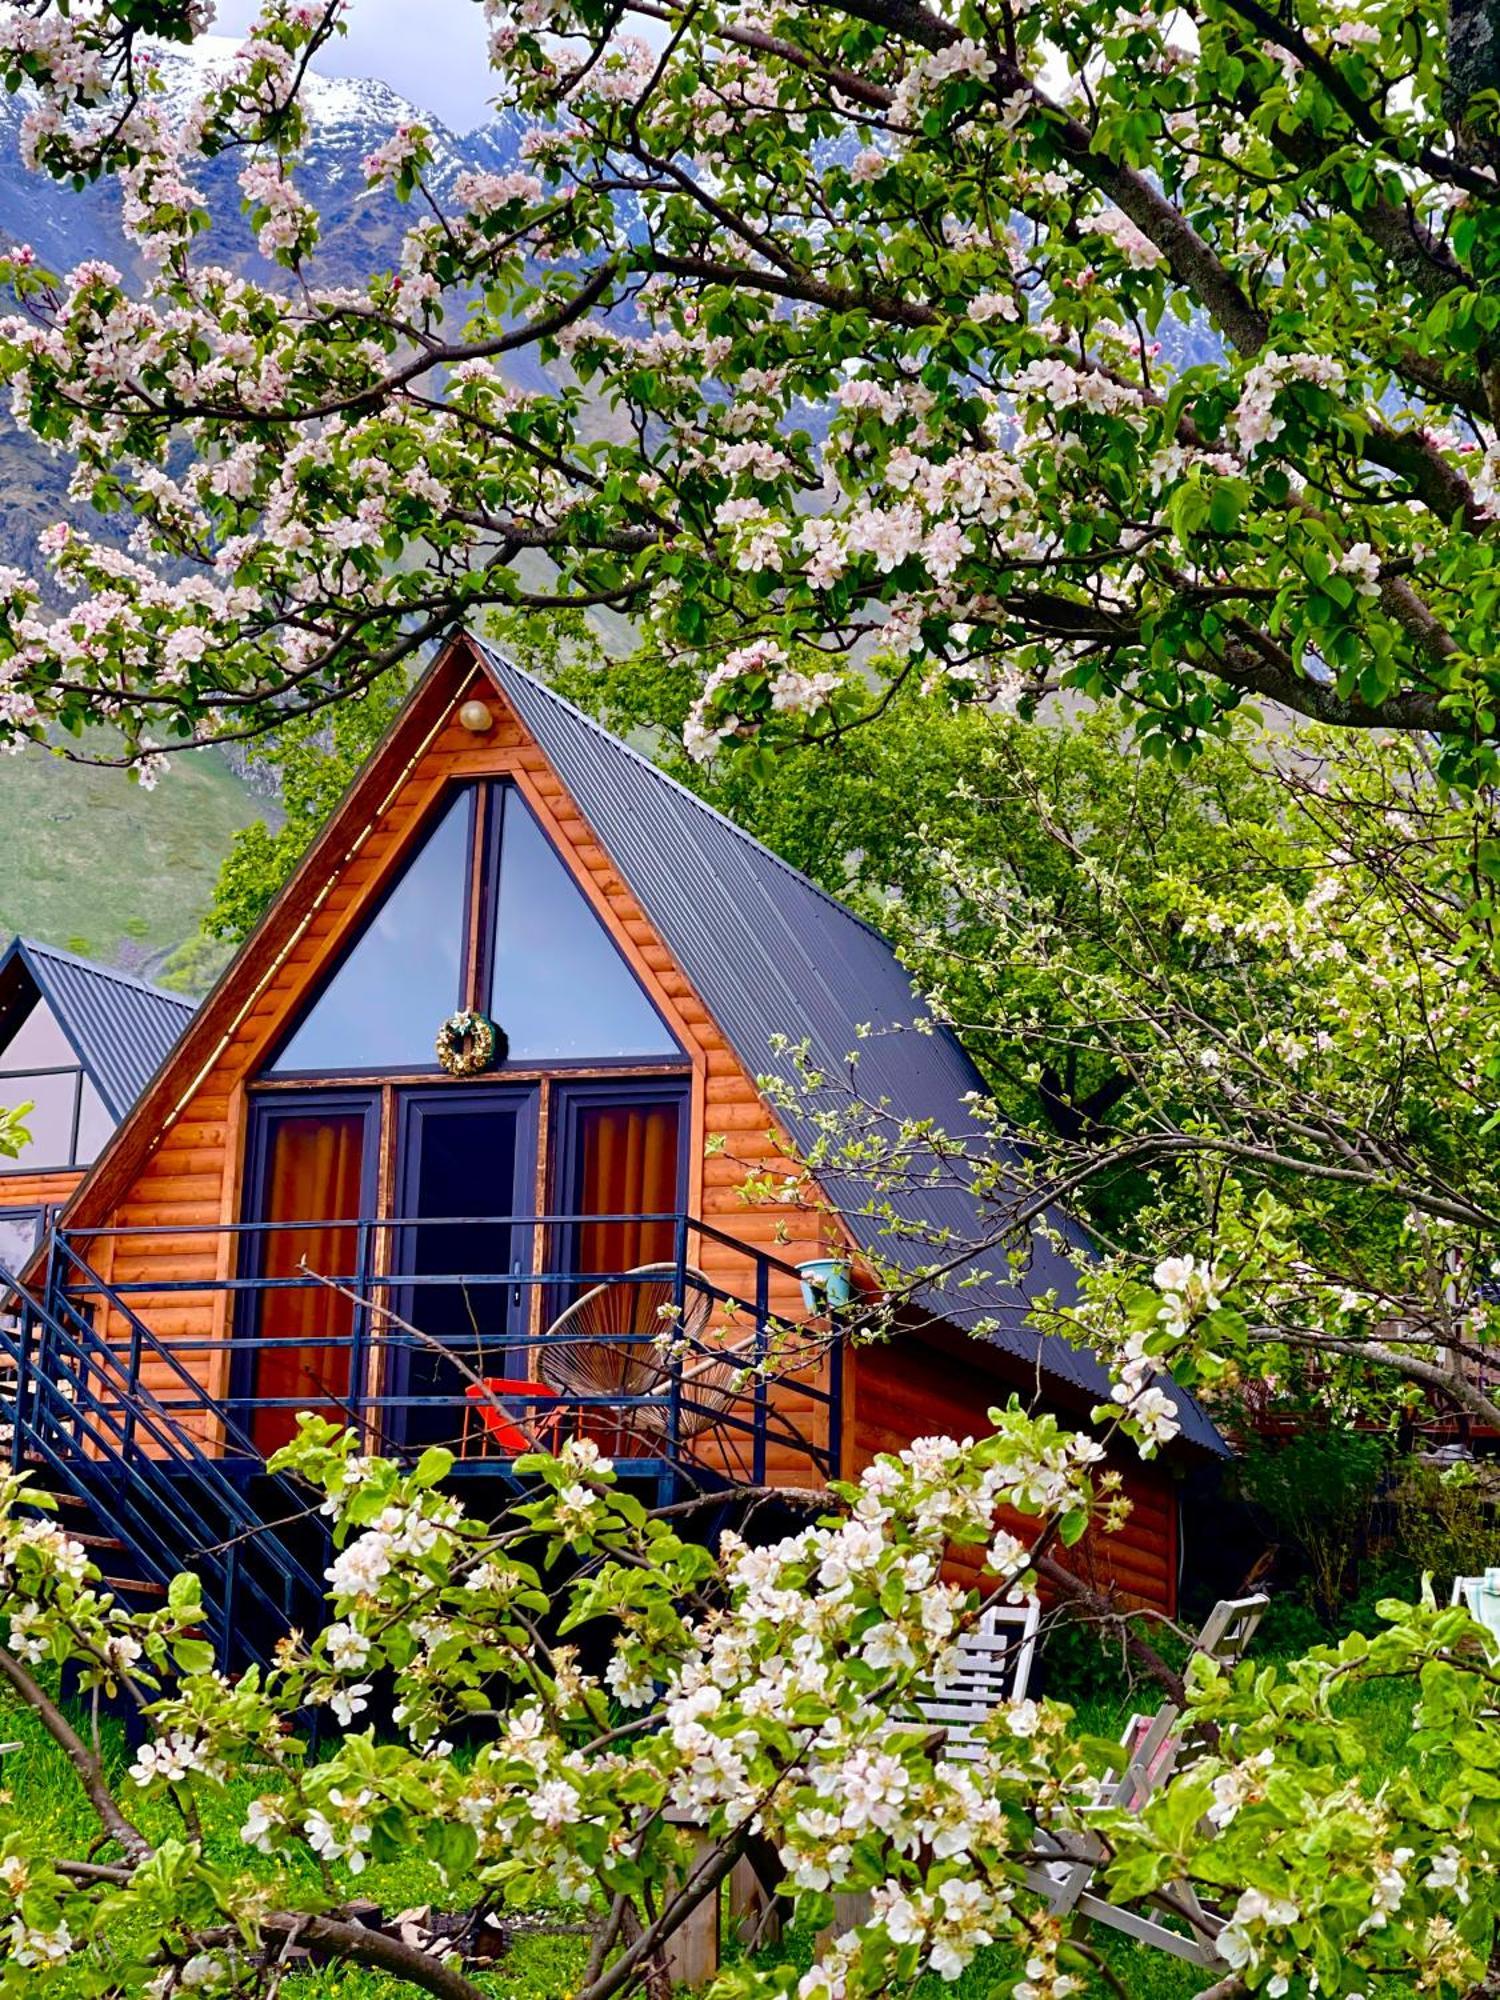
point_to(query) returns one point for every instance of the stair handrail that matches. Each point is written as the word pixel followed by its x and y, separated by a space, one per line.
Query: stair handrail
pixel 168 1430
pixel 170 1505
pixel 142 1528
pixel 144 1339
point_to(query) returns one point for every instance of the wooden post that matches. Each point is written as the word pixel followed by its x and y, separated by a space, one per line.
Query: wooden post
pixel 692 1951
pixel 754 1913
pixel 851 1909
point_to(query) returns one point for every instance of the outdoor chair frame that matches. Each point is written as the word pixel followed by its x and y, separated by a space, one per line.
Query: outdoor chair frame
pixel 1156 1748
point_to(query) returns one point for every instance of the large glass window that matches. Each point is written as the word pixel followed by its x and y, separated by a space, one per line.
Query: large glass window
pixel 560 988
pixel 383 1007
pixel 68 1121
pixel 547 969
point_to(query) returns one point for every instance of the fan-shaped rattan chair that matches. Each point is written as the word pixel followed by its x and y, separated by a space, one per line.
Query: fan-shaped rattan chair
pixel 604 1346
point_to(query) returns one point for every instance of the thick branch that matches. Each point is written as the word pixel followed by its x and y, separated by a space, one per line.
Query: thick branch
pixel 1242 665
pixel 1448 1382
pixel 703 1881
pixel 85 1764
pixel 356 1945
pixel 1405 708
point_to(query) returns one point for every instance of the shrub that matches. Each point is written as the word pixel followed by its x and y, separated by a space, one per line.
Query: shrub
pixel 1448 1517
pixel 1317 1491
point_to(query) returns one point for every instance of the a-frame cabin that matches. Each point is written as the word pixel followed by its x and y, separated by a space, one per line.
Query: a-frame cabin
pixel 78 1042
pixel 305 1211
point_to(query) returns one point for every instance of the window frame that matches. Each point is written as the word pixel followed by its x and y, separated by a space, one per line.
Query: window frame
pixel 265 1113
pixel 569 1099
pixel 477 960
pixel 486 959
pixel 72 1164
pixel 406 859
pixel 38 1213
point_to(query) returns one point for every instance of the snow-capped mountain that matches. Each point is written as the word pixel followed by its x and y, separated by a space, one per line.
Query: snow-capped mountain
pixel 349 118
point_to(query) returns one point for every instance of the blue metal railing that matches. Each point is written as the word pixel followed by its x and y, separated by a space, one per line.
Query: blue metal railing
pixel 83 1414
pixel 360 1371
pixel 167 1433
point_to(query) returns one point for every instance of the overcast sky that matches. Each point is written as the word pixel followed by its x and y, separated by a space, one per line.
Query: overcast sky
pixel 432 51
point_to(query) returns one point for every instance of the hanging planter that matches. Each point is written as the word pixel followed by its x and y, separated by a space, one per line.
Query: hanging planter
pixel 827 1283
pixel 468 1043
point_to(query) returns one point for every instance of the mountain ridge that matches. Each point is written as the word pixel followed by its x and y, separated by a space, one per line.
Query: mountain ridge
pixel 93 862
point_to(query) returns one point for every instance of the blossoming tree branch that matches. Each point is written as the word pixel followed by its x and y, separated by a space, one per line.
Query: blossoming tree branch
pixel 763 1696
pixel 1267 1071
pixel 1097 345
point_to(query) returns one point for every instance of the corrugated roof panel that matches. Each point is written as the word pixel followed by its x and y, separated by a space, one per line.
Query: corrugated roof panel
pixel 771 954
pixel 121 1027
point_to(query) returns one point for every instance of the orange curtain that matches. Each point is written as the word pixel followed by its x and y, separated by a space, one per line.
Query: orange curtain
pixel 628 1166
pixel 316 1176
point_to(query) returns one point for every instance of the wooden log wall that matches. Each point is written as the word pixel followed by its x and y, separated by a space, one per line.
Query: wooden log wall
pixel 906 1389
pixel 22 1190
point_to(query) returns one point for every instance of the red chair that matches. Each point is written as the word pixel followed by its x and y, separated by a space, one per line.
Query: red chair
pixel 501 1434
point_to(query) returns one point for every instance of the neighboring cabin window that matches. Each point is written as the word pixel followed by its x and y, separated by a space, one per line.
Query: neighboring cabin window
pixel 68 1121
pixel 557 983
pixel 20 1231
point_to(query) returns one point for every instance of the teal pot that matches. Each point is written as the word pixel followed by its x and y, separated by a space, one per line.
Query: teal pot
pixel 827 1283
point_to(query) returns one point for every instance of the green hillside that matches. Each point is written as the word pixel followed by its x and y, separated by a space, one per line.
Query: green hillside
pixel 94 863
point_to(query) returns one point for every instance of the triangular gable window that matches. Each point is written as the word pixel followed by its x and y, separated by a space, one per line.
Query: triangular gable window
pixel 561 989
pixel 558 984
pixel 68 1122
pixel 404 976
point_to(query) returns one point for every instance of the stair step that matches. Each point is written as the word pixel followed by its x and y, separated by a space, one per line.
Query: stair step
pixel 91 1541
pixel 137 1586
pixel 59 1499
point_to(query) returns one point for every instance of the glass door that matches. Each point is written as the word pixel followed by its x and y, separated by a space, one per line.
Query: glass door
pixel 312 1179
pixel 466 1187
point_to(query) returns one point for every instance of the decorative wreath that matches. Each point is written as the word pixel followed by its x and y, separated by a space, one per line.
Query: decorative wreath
pixel 468 1043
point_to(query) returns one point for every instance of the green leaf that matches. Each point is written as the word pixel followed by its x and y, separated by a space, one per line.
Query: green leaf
pixel 184 1593
pixel 433 1467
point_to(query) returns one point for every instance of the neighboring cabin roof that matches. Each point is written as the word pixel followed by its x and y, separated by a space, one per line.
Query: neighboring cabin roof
pixel 120 1028
pixel 770 955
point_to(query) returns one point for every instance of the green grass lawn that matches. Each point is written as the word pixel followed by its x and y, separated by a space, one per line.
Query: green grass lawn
pixel 97 865
pixel 543 1965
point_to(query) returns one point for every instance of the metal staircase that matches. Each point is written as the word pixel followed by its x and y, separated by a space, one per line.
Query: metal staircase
pixel 85 1422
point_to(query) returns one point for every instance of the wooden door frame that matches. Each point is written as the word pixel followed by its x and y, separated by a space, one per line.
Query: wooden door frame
pixel 568 1098
pixel 469 1098
pixel 263 1114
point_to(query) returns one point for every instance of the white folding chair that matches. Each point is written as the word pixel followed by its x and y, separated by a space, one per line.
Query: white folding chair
pixel 1155 1745
pixel 993 1667
pixel 1480 1597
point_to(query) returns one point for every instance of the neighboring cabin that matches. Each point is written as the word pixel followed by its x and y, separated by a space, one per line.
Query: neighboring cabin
pixel 528 1225
pixel 78 1042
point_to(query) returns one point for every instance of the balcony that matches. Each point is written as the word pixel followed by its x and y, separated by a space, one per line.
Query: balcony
pixel 699 1370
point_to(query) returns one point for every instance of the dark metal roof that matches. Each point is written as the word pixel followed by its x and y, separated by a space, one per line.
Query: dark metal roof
pixel 771 955
pixel 120 1027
